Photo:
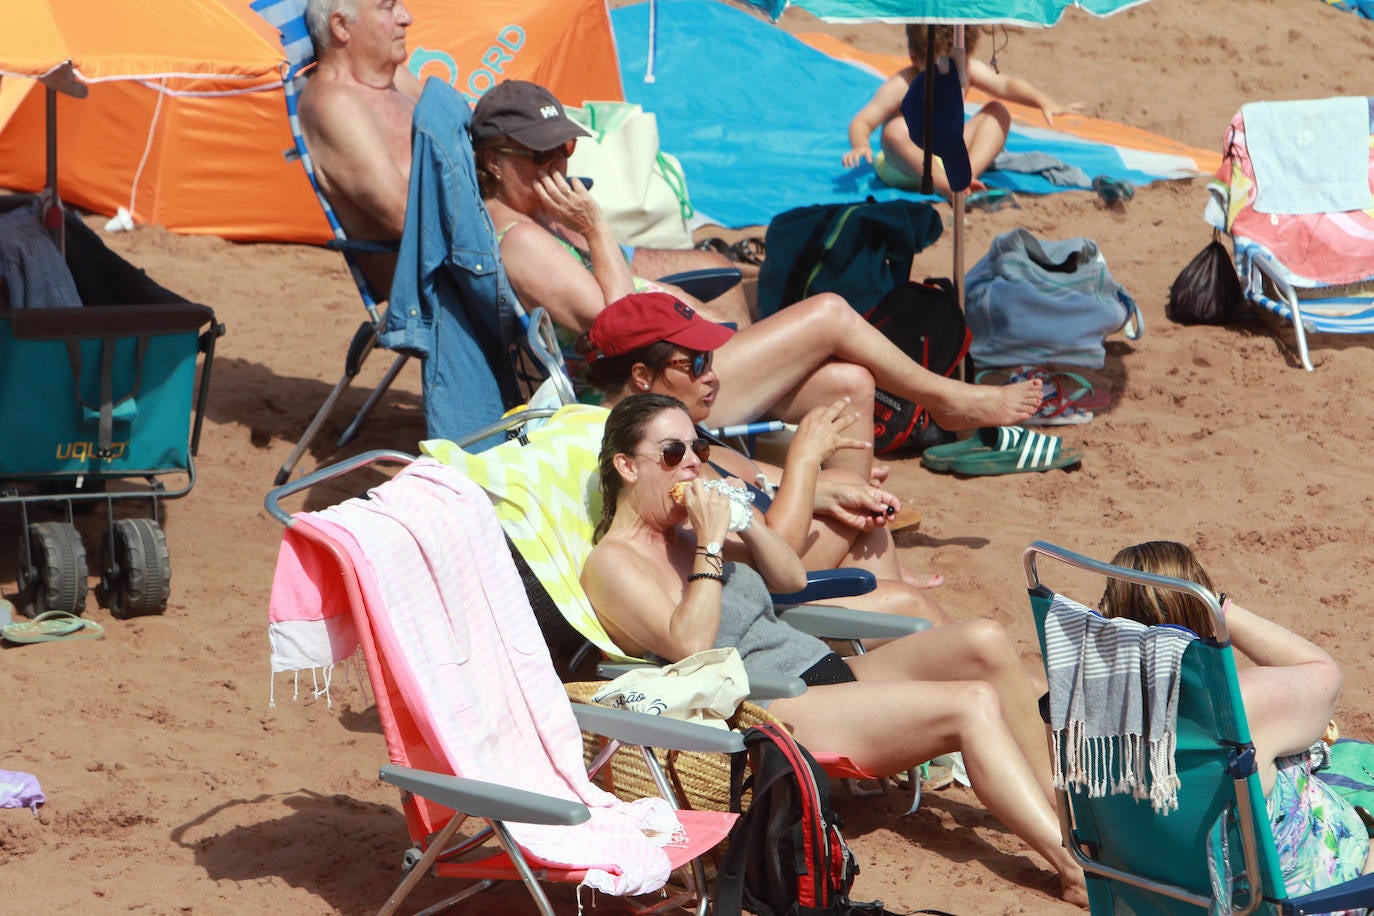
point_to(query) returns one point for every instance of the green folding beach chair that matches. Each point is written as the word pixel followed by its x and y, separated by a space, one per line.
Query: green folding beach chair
pixel 1215 852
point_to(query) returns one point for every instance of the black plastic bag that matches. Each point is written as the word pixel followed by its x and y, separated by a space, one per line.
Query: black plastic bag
pixel 1207 291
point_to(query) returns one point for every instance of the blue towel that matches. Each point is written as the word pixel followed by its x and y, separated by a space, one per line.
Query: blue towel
pixel 1309 156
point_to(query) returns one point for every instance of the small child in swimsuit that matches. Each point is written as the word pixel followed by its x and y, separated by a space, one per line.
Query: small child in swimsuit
pixel 900 163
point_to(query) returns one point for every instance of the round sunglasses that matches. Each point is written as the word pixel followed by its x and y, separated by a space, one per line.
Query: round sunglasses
pixel 696 366
pixel 674 450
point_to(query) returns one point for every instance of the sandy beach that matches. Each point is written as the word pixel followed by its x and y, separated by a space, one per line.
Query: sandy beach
pixel 174 787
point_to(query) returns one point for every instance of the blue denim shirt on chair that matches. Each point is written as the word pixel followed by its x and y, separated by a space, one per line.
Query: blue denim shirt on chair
pixel 450 302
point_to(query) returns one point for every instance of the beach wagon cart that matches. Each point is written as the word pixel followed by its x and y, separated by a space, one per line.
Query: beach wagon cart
pixel 97 404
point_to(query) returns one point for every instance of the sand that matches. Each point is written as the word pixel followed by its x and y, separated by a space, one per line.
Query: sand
pixel 173 787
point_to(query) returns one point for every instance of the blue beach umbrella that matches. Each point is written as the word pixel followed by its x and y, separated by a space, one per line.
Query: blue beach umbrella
pixel 1024 13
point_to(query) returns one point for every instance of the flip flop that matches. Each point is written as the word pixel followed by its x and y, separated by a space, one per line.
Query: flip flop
pixel 986 439
pixel 748 251
pixel 1036 452
pixel 1112 190
pixel 1071 386
pixel 51 627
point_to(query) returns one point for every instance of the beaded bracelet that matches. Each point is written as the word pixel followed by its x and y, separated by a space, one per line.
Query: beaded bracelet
pixel 706 575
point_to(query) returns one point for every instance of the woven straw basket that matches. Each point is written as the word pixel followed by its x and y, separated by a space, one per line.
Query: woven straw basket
pixel 702 780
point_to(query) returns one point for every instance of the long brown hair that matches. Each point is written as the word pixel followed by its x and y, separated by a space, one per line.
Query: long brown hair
pixel 1150 605
pixel 624 430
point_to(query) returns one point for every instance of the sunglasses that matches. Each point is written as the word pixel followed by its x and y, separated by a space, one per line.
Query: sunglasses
pixel 674 450
pixel 695 367
pixel 541 158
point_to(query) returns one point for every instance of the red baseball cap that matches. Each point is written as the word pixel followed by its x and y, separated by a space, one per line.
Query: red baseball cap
pixel 640 319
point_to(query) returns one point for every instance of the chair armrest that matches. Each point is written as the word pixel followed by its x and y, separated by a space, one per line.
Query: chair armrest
pixel 828 622
pixel 766 687
pixel 364 246
pixel 485 799
pixel 655 731
pixel 705 284
pixel 825 584
pixel 1351 895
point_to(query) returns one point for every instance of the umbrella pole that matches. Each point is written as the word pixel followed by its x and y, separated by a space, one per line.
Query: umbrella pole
pixel 958 269
pixel 928 125
pixel 52 203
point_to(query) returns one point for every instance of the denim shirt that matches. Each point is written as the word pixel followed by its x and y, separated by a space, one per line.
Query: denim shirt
pixel 450 302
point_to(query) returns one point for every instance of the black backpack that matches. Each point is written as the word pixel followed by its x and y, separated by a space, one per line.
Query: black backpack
pixel 925 321
pixel 785 855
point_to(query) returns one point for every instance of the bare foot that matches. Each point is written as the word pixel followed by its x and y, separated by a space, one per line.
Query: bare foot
pixel 1075 890
pixel 922 580
pixel 971 406
pixel 878 473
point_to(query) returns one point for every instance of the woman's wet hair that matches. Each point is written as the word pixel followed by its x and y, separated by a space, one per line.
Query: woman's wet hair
pixel 944 41
pixel 624 432
pixel 611 374
pixel 1149 605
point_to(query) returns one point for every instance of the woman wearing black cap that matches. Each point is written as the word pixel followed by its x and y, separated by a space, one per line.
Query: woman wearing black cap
pixel 560 254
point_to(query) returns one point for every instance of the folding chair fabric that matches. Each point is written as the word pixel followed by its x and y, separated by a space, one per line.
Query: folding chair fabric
pixel 1312 270
pixel 1142 861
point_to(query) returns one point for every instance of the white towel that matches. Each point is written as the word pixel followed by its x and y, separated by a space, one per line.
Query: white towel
pixel 1309 156
pixel 1113 703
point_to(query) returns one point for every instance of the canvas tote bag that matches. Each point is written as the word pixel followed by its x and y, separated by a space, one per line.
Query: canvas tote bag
pixel 640 188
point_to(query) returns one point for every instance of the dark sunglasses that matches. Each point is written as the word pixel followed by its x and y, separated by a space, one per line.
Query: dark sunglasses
pixel 674 450
pixel 541 158
pixel 696 367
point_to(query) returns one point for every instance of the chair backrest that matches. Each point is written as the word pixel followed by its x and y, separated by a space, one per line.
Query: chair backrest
pixel 1142 861
pixel 544 487
pixel 463 682
pixel 1309 250
pixel 288 18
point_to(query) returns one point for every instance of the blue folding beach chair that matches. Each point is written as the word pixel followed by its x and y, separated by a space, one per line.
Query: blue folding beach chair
pixel 1309 268
pixel 1214 853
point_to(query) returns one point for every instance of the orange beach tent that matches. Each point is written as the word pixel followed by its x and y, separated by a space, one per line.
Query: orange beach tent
pixel 184 123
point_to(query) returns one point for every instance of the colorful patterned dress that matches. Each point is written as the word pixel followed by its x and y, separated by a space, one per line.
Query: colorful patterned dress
pixel 1320 839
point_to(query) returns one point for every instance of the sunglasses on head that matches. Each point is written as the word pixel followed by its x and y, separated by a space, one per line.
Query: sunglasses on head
pixel 696 366
pixel 674 450
pixel 541 158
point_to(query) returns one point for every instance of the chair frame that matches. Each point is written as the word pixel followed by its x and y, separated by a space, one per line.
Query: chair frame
pixel 1257 843
pixel 497 804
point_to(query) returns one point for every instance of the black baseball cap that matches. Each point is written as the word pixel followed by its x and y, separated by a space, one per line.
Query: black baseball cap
pixel 527 113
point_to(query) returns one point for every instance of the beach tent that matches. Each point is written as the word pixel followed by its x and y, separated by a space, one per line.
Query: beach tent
pixel 184 123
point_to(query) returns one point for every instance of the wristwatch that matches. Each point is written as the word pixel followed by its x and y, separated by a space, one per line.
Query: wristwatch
pixel 712 549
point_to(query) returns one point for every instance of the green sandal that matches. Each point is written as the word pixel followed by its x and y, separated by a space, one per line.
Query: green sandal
pixel 50 627
pixel 1034 452
pixel 987 439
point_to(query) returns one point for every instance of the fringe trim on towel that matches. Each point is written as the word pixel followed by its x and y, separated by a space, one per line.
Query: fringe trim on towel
pixel 321 682
pixel 1117 764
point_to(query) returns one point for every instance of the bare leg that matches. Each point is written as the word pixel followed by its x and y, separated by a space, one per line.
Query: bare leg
pixel 922 719
pixel 765 363
pixel 730 307
pixel 985 135
pixel 967 649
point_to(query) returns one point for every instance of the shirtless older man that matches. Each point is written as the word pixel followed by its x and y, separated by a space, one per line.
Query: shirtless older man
pixel 356 115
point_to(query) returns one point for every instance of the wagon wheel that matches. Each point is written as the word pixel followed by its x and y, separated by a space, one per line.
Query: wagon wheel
pixel 52 569
pixel 136 573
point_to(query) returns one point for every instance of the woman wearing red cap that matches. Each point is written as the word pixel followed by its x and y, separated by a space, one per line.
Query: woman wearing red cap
pixel 560 254
pixel 669 579
pixel 650 342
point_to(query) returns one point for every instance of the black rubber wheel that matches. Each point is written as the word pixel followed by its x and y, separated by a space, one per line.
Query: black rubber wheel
pixel 137 575
pixel 52 569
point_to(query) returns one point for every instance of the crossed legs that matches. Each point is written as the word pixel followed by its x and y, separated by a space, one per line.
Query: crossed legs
pixel 769 362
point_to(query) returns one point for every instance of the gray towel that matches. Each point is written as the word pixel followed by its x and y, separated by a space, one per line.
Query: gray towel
pixel 1113 703
pixel 1056 171
pixel 31 265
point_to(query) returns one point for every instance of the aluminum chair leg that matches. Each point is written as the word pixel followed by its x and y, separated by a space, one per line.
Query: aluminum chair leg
pixel 364 339
pixel 363 412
